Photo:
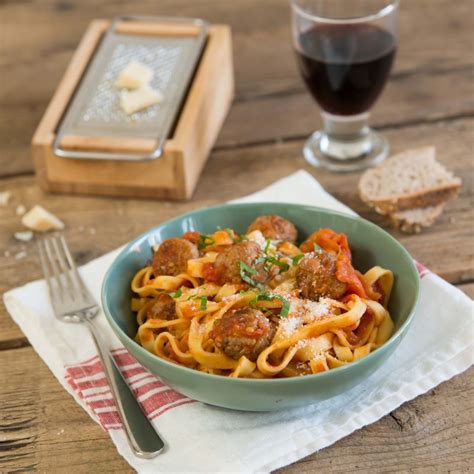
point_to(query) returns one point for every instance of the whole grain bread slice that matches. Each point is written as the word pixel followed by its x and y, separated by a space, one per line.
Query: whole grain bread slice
pixel 412 221
pixel 408 180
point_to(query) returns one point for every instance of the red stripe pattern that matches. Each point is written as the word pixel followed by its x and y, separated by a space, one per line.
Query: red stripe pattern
pixel 88 381
pixel 422 270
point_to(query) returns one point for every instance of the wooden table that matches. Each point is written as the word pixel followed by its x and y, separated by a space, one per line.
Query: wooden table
pixel 429 100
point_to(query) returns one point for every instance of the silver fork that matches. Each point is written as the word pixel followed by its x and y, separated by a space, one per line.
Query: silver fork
pixel 73 303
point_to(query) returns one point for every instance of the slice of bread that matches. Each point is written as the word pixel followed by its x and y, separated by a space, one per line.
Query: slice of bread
pixel 412 221
pixel 408 180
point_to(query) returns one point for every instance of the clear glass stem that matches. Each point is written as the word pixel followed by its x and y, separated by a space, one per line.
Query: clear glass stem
pixel 345 144
pixel 345 138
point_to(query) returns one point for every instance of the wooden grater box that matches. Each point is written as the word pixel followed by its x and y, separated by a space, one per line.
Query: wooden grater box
pixel 175 173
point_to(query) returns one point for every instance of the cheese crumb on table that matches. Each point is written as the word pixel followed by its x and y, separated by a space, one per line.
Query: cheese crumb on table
pixel 41 220
pixel 133 101
pixel 134 76
pixel 5 197
pixel 20 255
pixel 24 236
pixel 20 210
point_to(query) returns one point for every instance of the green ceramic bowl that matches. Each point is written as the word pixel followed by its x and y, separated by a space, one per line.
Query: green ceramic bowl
pixel 371 246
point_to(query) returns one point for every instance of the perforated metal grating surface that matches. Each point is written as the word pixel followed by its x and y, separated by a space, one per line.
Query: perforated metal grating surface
pixel 95 108
pixel 103 107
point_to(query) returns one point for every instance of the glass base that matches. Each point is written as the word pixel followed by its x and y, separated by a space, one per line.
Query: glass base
pixel 341 155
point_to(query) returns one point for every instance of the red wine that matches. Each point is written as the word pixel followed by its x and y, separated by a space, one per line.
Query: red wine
pixel 346 66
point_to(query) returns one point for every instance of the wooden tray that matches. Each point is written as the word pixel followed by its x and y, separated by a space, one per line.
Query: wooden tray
pixel 173 175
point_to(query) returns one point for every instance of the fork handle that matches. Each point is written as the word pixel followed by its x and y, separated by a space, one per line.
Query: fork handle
pixel 141 436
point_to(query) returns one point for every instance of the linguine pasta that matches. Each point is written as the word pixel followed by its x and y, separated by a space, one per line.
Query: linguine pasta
pixel 286 311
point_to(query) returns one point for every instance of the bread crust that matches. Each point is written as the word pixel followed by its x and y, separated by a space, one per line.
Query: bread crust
pixel 423 198
pixel 406 222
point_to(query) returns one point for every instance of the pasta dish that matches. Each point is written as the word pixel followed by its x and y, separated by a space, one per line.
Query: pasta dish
pixel 258 305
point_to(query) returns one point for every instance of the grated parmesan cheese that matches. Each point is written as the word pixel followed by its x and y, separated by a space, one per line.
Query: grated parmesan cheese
pixel 308 310
pixel 289 325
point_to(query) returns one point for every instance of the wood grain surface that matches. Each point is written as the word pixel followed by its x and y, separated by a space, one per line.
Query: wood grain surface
pixel 429 100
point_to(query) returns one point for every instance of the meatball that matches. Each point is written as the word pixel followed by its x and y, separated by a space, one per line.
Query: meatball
pixel 172 256
pixel 274 227
pixel 316 277
pixel 227 264
pixel 162 308
pixel 245 332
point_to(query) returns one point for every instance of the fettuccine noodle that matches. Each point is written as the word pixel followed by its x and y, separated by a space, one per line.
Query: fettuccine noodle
pixel 257 307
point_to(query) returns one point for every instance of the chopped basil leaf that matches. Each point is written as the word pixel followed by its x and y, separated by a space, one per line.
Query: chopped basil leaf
pixel 246 268
pixel 204 241
pixel 297 258
pixel 285 309
pixel 177 293
pixel 265 296
pixel 203 305
pixel 267 245
pixel 317 248
pixel 231 234
pixel 269 259
pixel 245 271
pixel 283 265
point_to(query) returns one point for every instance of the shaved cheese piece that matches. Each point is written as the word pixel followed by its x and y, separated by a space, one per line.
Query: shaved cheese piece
pixel 134 76
pixel 20 210
pixel 41 220
pixel 257 236
pixel 139 99
pixel 5 197
pixel 24 236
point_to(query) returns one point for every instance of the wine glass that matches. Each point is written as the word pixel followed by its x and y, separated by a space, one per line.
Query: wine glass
pixel 345 51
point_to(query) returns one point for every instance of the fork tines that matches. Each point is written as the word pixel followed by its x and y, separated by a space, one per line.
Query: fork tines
pixel 65 284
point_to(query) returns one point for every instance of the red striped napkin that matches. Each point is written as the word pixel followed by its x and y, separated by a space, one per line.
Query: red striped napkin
pixel 202 438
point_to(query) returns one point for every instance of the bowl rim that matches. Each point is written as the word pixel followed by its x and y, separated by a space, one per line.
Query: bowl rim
pixel 391 342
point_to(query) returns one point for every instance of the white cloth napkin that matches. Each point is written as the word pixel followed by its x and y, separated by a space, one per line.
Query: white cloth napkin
pixel 202 438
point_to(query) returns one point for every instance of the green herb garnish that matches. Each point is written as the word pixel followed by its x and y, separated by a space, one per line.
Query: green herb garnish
pixel 267 245
pixel 269 259
pixel 177 293
pixel 265 296
pixel 203 305
pixel 231 234
pixel 205 241
pixel 283 265
pixel 245 271
pixel 297 258
pixel 317 248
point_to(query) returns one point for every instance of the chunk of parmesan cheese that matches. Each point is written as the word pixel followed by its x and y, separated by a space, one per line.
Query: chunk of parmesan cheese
pixel 134 76
pixel 133 101
pixel 41 220
pixel 24 236
pixel 5 197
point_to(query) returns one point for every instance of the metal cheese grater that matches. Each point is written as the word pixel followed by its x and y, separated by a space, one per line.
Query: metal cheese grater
pixel 95 108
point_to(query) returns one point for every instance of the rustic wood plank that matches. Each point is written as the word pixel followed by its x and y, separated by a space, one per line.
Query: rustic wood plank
pixel 468 288
pixel 432 81
pixel 432 433
pixel 95 225
pixel 42 428
pixel 39 38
